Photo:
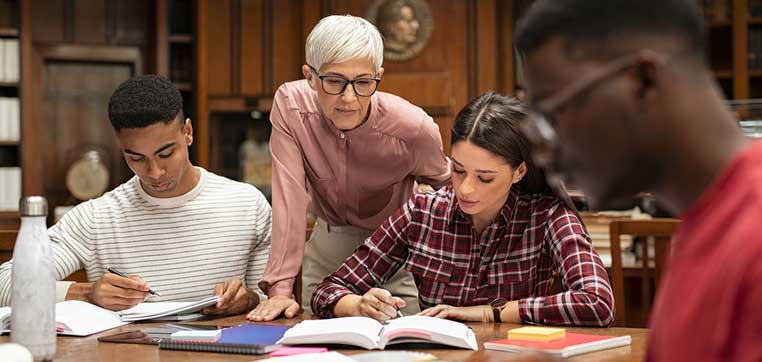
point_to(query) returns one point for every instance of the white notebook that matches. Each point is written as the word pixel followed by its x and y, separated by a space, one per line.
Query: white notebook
pixel 154 310
pixel 76 318
pixel 369 334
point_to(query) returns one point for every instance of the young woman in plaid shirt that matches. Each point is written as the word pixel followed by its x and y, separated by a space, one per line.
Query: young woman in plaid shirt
pixel 487 248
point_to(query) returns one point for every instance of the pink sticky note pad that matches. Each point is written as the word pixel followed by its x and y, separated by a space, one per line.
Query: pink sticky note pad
pixel 290 351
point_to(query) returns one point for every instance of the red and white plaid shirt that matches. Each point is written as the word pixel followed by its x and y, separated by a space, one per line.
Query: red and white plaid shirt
pixel 534 240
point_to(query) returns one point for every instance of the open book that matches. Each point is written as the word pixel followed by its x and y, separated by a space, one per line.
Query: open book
pixel 74 318
pixel 78 318
pixel 369 334
pixel 162 310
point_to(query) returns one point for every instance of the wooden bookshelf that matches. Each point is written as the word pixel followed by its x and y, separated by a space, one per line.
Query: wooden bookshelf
pixel 181 38
pixel 723 74
pixel 176 47
pixel 184 86
pixel 735 46
pixel 10 150
pixel 9 33
pixel 719 23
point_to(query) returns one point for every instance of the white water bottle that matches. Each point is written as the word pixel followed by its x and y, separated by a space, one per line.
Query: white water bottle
pixel 33 301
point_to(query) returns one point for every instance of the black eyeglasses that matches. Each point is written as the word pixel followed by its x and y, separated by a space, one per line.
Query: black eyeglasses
pixel 335 85
pixel 540 127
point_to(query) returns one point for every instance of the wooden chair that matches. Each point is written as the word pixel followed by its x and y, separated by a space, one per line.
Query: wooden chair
pixel 661 230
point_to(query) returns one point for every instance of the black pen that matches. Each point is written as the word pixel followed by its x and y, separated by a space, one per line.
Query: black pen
pixel 117 272
pixel 378 283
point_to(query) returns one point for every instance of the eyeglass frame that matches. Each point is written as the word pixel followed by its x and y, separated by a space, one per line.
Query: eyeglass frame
pixel 346 82
pixel 540 127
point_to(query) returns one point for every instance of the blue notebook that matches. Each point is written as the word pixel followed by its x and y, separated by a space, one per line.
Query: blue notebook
pixel 242 339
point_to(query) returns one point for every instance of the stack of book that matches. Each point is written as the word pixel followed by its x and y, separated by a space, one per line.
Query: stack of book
pixel 10 116
pixel 10 188
pixel 9 60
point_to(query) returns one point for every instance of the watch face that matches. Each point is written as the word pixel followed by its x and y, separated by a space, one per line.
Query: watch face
pixel 87 179
pixel 499 302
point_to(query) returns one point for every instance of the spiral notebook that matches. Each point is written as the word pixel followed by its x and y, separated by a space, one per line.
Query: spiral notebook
pixel 242 339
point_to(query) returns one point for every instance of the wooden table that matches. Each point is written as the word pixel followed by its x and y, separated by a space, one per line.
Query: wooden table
pixel 86 349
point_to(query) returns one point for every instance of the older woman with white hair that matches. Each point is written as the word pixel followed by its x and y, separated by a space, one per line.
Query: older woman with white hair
pixel 345 152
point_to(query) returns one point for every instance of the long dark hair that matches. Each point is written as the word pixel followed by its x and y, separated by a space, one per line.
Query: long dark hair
pixel 492 121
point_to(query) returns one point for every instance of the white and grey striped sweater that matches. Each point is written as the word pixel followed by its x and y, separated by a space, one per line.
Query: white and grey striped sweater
pixel 183 246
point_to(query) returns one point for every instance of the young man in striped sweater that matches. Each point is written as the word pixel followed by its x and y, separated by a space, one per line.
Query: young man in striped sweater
pixel 178 229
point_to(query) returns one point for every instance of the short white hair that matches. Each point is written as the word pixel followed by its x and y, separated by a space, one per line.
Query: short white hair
pixel 340 38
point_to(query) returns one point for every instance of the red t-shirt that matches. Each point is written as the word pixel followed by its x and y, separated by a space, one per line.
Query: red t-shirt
pixel 709 306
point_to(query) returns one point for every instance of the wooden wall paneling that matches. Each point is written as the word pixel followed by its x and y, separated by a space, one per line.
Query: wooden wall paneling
pixel 437 79
pixel 52 29
pixel 32 170
pixel 486 31
pixel 228 104
pixel 129 21
pixel 9 220
pixel 72 85
pixel 89 21
pixel 311 15
pixel 428 90
pixel 201 88
pixel 252 48
pixel 740 49
pixel 235 48
pixel 287 42
pixel 218 55
pixel 505 59
pixel 160 39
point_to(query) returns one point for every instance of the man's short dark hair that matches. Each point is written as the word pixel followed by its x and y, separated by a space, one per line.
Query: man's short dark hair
pixel 143 101
pixel 593 24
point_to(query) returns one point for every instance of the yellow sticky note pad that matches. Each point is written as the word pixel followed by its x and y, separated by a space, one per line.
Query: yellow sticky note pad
pixel 543 334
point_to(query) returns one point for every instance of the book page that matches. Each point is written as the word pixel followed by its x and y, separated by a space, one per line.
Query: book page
pixel 311 357
pixel 442 331
pixel 149 310
pixel 84 319
pixel 5 319
pixel 357 331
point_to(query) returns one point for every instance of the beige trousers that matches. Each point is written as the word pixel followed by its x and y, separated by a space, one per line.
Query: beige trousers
pixel 327 249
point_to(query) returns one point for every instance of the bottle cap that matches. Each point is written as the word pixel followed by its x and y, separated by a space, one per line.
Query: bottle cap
pixel 33 206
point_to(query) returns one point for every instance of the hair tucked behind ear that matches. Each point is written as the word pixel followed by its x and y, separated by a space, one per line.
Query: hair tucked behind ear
pixel 493 121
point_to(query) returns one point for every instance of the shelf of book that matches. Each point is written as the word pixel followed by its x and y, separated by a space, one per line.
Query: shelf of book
pixel 181 38
pixel 184 86
pixel 9 33
pixel 723 74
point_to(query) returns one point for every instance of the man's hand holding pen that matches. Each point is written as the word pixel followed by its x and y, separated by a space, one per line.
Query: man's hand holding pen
pixel 111 291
